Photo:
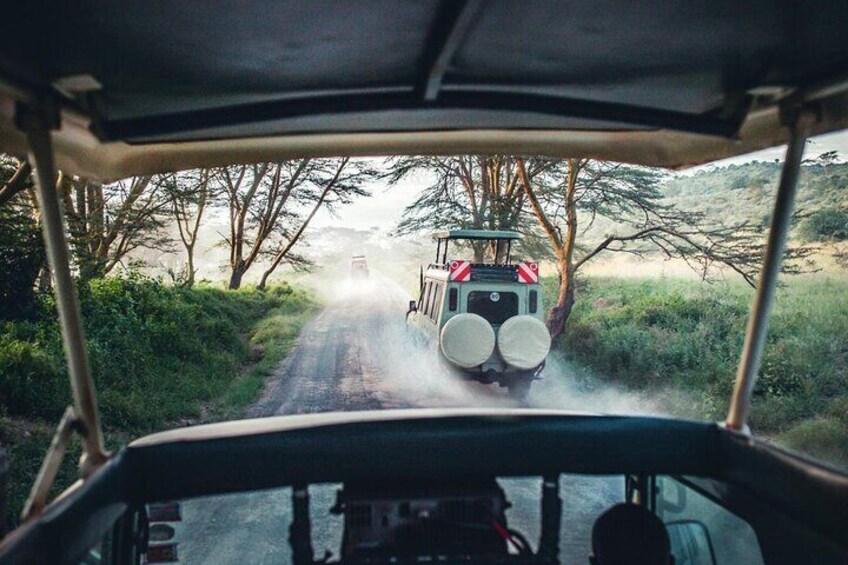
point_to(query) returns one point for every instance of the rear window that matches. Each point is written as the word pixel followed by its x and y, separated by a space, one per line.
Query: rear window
pixel 496 307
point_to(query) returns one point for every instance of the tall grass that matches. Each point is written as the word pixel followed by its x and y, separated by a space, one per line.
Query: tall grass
pixel 157 353
pixel 659 334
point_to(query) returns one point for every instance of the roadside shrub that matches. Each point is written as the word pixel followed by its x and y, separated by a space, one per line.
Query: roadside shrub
pixel 31 380
pixel 652 334
pixel 658 334
pixel 830 224
pixel 21 259
pixel 823 438
pixel 157 352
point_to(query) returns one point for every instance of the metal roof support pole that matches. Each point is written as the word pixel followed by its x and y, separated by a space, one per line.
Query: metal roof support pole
pixel 800 122
pixel 37 123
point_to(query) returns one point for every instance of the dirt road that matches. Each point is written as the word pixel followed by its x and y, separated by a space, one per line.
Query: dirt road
pixel 356 355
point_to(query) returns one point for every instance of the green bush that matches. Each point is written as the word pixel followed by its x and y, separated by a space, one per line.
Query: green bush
pixel 678 335
pixel 157 353
pixel 830 224
pixel 822 438
pixel 657 334
pixel 32 383
pixel 161 356
pixel 21 259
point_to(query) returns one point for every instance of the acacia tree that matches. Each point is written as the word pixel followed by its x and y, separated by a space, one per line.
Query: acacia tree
pixel 189 195
pixel 572 194
pixel 479 192
pixel 16 178
pixel 22 255
pixel 330 183
pixel 266 202
pixel 107 222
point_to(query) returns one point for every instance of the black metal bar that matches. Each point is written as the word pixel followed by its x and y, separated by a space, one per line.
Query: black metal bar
pixel 551 520
pixel 781 222
pixel 300 530
pixel 623 116
pixel 452 23
pixel 4 474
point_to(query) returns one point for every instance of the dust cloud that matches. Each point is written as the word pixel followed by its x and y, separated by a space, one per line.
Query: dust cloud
pixel 411 372
pixel 567 386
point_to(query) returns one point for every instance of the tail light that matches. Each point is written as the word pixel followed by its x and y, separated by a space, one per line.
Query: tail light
pixel 164 553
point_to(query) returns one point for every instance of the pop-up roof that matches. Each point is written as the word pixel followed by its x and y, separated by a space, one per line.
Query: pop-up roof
pixel 478 234
pixel 150 86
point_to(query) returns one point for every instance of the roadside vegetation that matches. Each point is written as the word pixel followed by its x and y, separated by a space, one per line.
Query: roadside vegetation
pixel 171 355
pixel 678 339
pixel 161 356
pixel 670 335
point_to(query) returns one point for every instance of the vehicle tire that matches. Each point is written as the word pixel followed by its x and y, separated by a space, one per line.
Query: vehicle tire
pixel 524 342
pixel 467 340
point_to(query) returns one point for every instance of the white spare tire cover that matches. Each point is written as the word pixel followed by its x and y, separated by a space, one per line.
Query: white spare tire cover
pixel 467 340
pixel 524 342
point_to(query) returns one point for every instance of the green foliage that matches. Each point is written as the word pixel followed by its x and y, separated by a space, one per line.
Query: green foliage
pixel 682 335
pixel 746 191
pixel 645 334
pixel 830 224
pixel 30 378
pixel 823 438
pixel 158 353
pixel 21 259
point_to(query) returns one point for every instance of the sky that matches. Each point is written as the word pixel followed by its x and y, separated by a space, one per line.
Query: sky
pixel 384 208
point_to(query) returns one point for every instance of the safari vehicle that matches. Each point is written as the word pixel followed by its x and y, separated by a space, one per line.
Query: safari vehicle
pixel 359 267
pixel 487 318
pixel 106 90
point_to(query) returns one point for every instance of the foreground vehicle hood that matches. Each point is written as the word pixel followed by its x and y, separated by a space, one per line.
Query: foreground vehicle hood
pixel 428 444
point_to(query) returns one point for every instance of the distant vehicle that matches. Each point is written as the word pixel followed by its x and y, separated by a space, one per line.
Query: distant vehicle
pixel 359 267
pixel 486 317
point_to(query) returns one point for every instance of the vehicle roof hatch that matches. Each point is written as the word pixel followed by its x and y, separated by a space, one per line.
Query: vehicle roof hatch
pixel 478 235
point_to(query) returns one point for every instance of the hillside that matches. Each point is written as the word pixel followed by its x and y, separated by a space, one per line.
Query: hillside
pixel 746 192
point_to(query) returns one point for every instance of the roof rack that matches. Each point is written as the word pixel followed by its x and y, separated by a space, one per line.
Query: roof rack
pixel 503 242
pixel 478 235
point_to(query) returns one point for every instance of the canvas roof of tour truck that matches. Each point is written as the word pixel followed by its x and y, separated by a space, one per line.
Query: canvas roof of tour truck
pixel 138 88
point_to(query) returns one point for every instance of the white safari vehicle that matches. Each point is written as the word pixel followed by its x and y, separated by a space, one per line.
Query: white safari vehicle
pixel 106 90
pixel 359 267
pixel 486 317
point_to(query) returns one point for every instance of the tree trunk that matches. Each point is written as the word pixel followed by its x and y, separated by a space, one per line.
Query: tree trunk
pixel 565 301
pixel 236 276
pixel 263 281
pixel 479 251
pixel 565 262
pixel 189 282
pixel 16 184
pixel 45 279
pixel 563 246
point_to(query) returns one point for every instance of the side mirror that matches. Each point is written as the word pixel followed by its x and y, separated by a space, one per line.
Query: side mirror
pixel 690 543
pixel 413 307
